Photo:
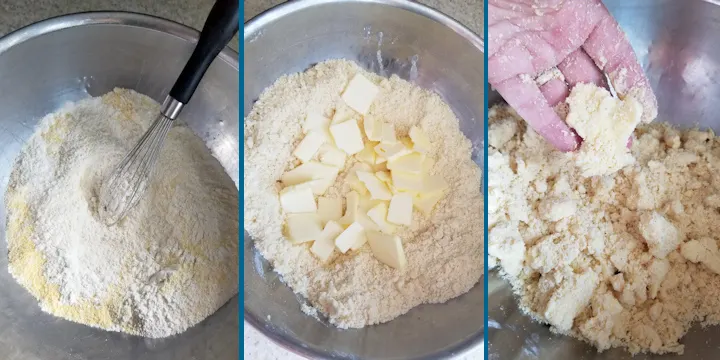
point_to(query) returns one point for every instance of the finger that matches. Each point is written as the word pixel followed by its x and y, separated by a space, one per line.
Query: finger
pixel 555 91
pixel 528 101
pixel 611 51
pixel 578 67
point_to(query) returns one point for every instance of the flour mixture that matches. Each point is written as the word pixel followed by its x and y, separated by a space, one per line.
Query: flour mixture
pixel 398 219
pixel 629 259
pixel 168 265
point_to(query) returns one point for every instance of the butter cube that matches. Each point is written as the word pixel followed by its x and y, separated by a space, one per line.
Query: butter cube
pixel 391 151
pixel 310 170
pixel 342 114
pixel 352 235
pixel 378 189
pixel 360 93
pixel 324 245
pixel 347 137
pixel 410 163
pixel 403 181
pixel 378 214
pixel 401 209
pixel 294 199
pixel 380 167
pixel 373 128
pixel 367 155
pixel 318 186
pixel 428 165
pixel 387 249
pixel 309 145
pixel 329 209
pixel 361 241
pixel 352 202
pixel 421 142
pixel 426 203
pixel 332 156
pixel 433 184
pixel 302 228
pixel 384 176
pixel 315 120
pixel 388 134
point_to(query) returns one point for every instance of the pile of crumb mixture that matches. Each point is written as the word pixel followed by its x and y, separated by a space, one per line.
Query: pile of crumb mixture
pixel 169 264
pixel 403 248
pixel 625 258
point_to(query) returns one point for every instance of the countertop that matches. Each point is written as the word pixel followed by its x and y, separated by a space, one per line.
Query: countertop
pixel 17 13
pixel 467 12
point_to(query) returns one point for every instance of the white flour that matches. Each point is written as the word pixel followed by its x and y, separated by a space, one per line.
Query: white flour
pixel 444 253
pixel 168 265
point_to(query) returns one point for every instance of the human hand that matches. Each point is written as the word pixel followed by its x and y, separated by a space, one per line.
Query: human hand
pixel 580 38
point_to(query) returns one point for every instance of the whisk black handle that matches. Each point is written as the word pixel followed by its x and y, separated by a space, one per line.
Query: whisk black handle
pixel 220 26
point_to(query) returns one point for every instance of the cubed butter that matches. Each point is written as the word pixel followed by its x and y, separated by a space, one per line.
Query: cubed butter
pixel 308 171
pixel 315 120
pixel 384 176
pixel 349 237
pixel 407 182
pixel 302 228
pixel 421 142
pixel 332 156
pixel 329 209
pixel 434 184
pixel 378 189
pixel 367 155
pixel 373 128
pixel 428 164
pixel 324 245
pixel 361 241
pixel 387 249
pixel 352 202
pixel 410 163
pixel 391 151
pixel 388 134
pixel 401 209
pixel 426 203
pixel 378 214
pixel 318 186
pixel 308 146
pixel 298 199
pixel 360 93
pixel 342 114
pixel 347 137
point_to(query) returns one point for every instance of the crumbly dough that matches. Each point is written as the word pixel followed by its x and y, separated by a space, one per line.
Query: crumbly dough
pixel 604 123
pixel 629 259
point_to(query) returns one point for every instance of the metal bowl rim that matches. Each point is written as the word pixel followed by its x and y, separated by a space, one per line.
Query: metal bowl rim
pixel 266 18
pixel 122 18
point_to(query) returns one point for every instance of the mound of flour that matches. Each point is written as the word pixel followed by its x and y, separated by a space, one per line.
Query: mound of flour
pixel 444 252
pixel 168 265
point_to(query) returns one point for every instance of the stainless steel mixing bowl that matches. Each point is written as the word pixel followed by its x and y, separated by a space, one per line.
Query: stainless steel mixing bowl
pixel 676 42
pixel 387 37
pixel 72 57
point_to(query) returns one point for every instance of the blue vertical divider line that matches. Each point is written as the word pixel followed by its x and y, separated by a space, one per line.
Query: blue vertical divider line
pixel 485 176
pixel 241 207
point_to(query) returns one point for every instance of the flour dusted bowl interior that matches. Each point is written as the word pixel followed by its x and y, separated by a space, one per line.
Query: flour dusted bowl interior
pixel 386 37
pixel 675 43
pixel 70 58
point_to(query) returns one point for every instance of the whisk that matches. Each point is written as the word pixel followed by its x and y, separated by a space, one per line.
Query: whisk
pixel 125 186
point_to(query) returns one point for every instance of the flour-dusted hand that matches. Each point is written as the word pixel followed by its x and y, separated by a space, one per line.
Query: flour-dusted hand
pixel 579 38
